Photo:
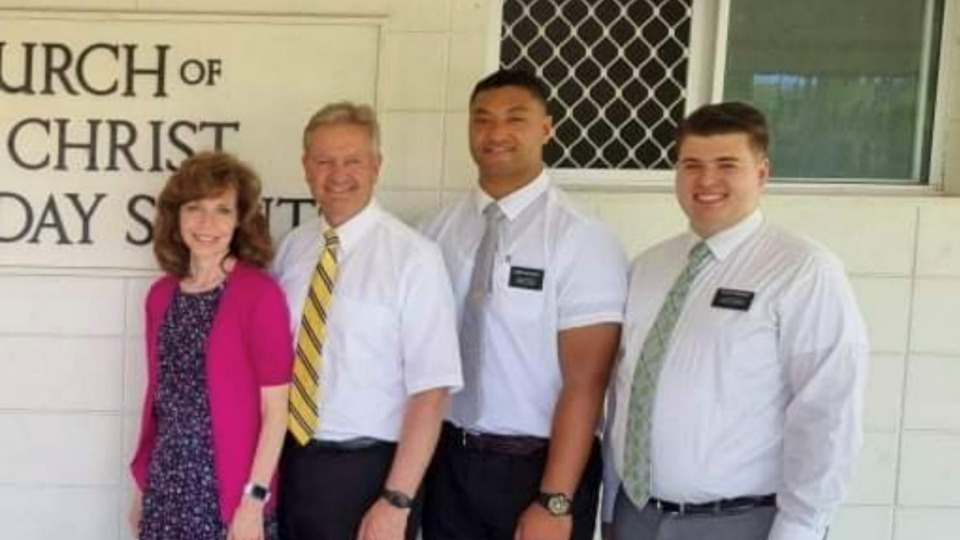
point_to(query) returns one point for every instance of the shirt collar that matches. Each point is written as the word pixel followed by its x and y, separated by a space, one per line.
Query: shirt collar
pixel 356 227
pixel 516 202
pixel 724 242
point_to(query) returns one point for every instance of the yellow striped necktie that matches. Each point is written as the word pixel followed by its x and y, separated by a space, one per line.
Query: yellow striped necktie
pixel 305 392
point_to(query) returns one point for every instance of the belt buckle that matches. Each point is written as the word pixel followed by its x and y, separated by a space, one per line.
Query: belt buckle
pixel 659 504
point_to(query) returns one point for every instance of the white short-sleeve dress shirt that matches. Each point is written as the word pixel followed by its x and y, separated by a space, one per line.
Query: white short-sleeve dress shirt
pixel 391 328
pixel 749 401
pixel 584 273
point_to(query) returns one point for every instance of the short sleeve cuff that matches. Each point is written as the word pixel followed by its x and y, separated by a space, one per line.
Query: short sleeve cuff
pixel 452 382
pixel 588 319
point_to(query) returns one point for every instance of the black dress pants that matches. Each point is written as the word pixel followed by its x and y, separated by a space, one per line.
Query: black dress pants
pixel 325 491
pixel 473 494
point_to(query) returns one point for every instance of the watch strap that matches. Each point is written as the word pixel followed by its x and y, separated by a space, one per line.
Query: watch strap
pixel 397 499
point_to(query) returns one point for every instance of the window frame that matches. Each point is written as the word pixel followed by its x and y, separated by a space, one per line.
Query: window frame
pixel 708 47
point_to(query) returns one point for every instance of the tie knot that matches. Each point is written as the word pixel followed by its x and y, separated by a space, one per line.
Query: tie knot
pixel 699 254
pixel 330 238
pixel 493 212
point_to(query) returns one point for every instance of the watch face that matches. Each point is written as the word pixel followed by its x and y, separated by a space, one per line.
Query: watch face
pixel 259 492
pixel 557 504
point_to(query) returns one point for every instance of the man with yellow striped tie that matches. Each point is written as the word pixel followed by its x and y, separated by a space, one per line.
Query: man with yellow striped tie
pixel 376 346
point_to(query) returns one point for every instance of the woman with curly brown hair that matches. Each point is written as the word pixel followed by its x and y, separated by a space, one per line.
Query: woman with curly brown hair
pixel 219 360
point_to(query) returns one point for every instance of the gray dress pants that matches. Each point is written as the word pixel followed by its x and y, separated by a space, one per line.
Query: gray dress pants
pixel 649 523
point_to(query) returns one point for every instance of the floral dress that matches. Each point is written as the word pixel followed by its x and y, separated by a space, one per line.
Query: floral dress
pixel 181 499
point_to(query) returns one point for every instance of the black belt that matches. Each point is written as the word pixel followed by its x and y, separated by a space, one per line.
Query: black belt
pixel 358 443
pixel 516 445
pixel 713 507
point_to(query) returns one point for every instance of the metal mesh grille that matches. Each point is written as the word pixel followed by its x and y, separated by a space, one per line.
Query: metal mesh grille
pixel 617 72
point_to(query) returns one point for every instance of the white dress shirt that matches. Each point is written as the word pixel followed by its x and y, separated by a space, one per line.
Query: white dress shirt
pixel 390 330
pixel 584 283
pixel 748 402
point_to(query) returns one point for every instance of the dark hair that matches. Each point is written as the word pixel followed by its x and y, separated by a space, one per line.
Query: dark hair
pixel 513 77
pixel 727 118
pixel 208 174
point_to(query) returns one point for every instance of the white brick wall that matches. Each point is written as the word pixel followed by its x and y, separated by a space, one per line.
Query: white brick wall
pixel 71 361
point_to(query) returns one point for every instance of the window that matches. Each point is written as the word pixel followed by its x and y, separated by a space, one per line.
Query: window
pixel 617 70
pixel 848 87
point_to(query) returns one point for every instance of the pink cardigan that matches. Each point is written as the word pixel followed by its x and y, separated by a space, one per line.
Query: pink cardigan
pixel 249 346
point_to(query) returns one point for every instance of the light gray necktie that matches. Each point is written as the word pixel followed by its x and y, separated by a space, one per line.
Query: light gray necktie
pixel 636 458
pixel 466 403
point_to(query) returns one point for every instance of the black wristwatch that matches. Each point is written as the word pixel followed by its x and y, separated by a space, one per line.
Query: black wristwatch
pixel 558 504
pixel 256 492
pixel 397 499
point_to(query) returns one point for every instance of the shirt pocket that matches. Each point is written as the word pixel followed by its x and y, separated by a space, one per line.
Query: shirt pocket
pixel 518 304
pixel 749 339
pixel 363 329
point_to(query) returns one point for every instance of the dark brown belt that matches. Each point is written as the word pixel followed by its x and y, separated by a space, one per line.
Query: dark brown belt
pixel 713 507
pixel 515 445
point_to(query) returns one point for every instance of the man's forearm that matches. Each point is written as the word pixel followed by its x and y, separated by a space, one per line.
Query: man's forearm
pixel 571 441
pixel 418 439
pixel 586 358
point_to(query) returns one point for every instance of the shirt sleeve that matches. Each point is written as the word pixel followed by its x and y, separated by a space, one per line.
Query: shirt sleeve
pixel 430 350
pixel 268 336
pixel 592 286
pixel 824 347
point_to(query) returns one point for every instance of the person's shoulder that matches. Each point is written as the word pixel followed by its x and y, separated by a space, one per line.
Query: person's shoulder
pixel 675 246
pixel 800 249
pixel 297 239
pixel 252 276
pixel 438 220
pixel 161 287
pixel 307 230
pixel 405 236
pixel 567 208
pixel 250 286
pixel 575 223
pixel 159 295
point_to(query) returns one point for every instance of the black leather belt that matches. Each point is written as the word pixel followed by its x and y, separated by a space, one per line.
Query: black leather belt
pixel 516 445
pixel 358 443
pixel 713 507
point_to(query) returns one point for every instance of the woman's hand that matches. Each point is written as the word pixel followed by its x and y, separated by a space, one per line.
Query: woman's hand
pixel 136 512
pixel 247 521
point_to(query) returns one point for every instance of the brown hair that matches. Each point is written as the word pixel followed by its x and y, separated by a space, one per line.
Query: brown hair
pixel 345 112
pixel 724 119
pixel 208 174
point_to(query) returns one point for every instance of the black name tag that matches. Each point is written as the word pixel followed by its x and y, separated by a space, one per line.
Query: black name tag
pixel 526 278
pixel 733 299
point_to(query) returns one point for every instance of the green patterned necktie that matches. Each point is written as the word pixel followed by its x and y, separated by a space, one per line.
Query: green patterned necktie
pixel 636 473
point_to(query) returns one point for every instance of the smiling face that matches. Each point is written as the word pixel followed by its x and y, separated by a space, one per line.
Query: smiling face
pixel 207 225
pixel 719 180
pixel 508 128
pixel 341 167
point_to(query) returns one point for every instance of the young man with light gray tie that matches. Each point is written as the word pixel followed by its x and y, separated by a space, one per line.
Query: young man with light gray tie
pixel 540 286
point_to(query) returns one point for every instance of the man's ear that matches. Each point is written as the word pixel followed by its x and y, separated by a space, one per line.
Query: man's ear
pixel 547 128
